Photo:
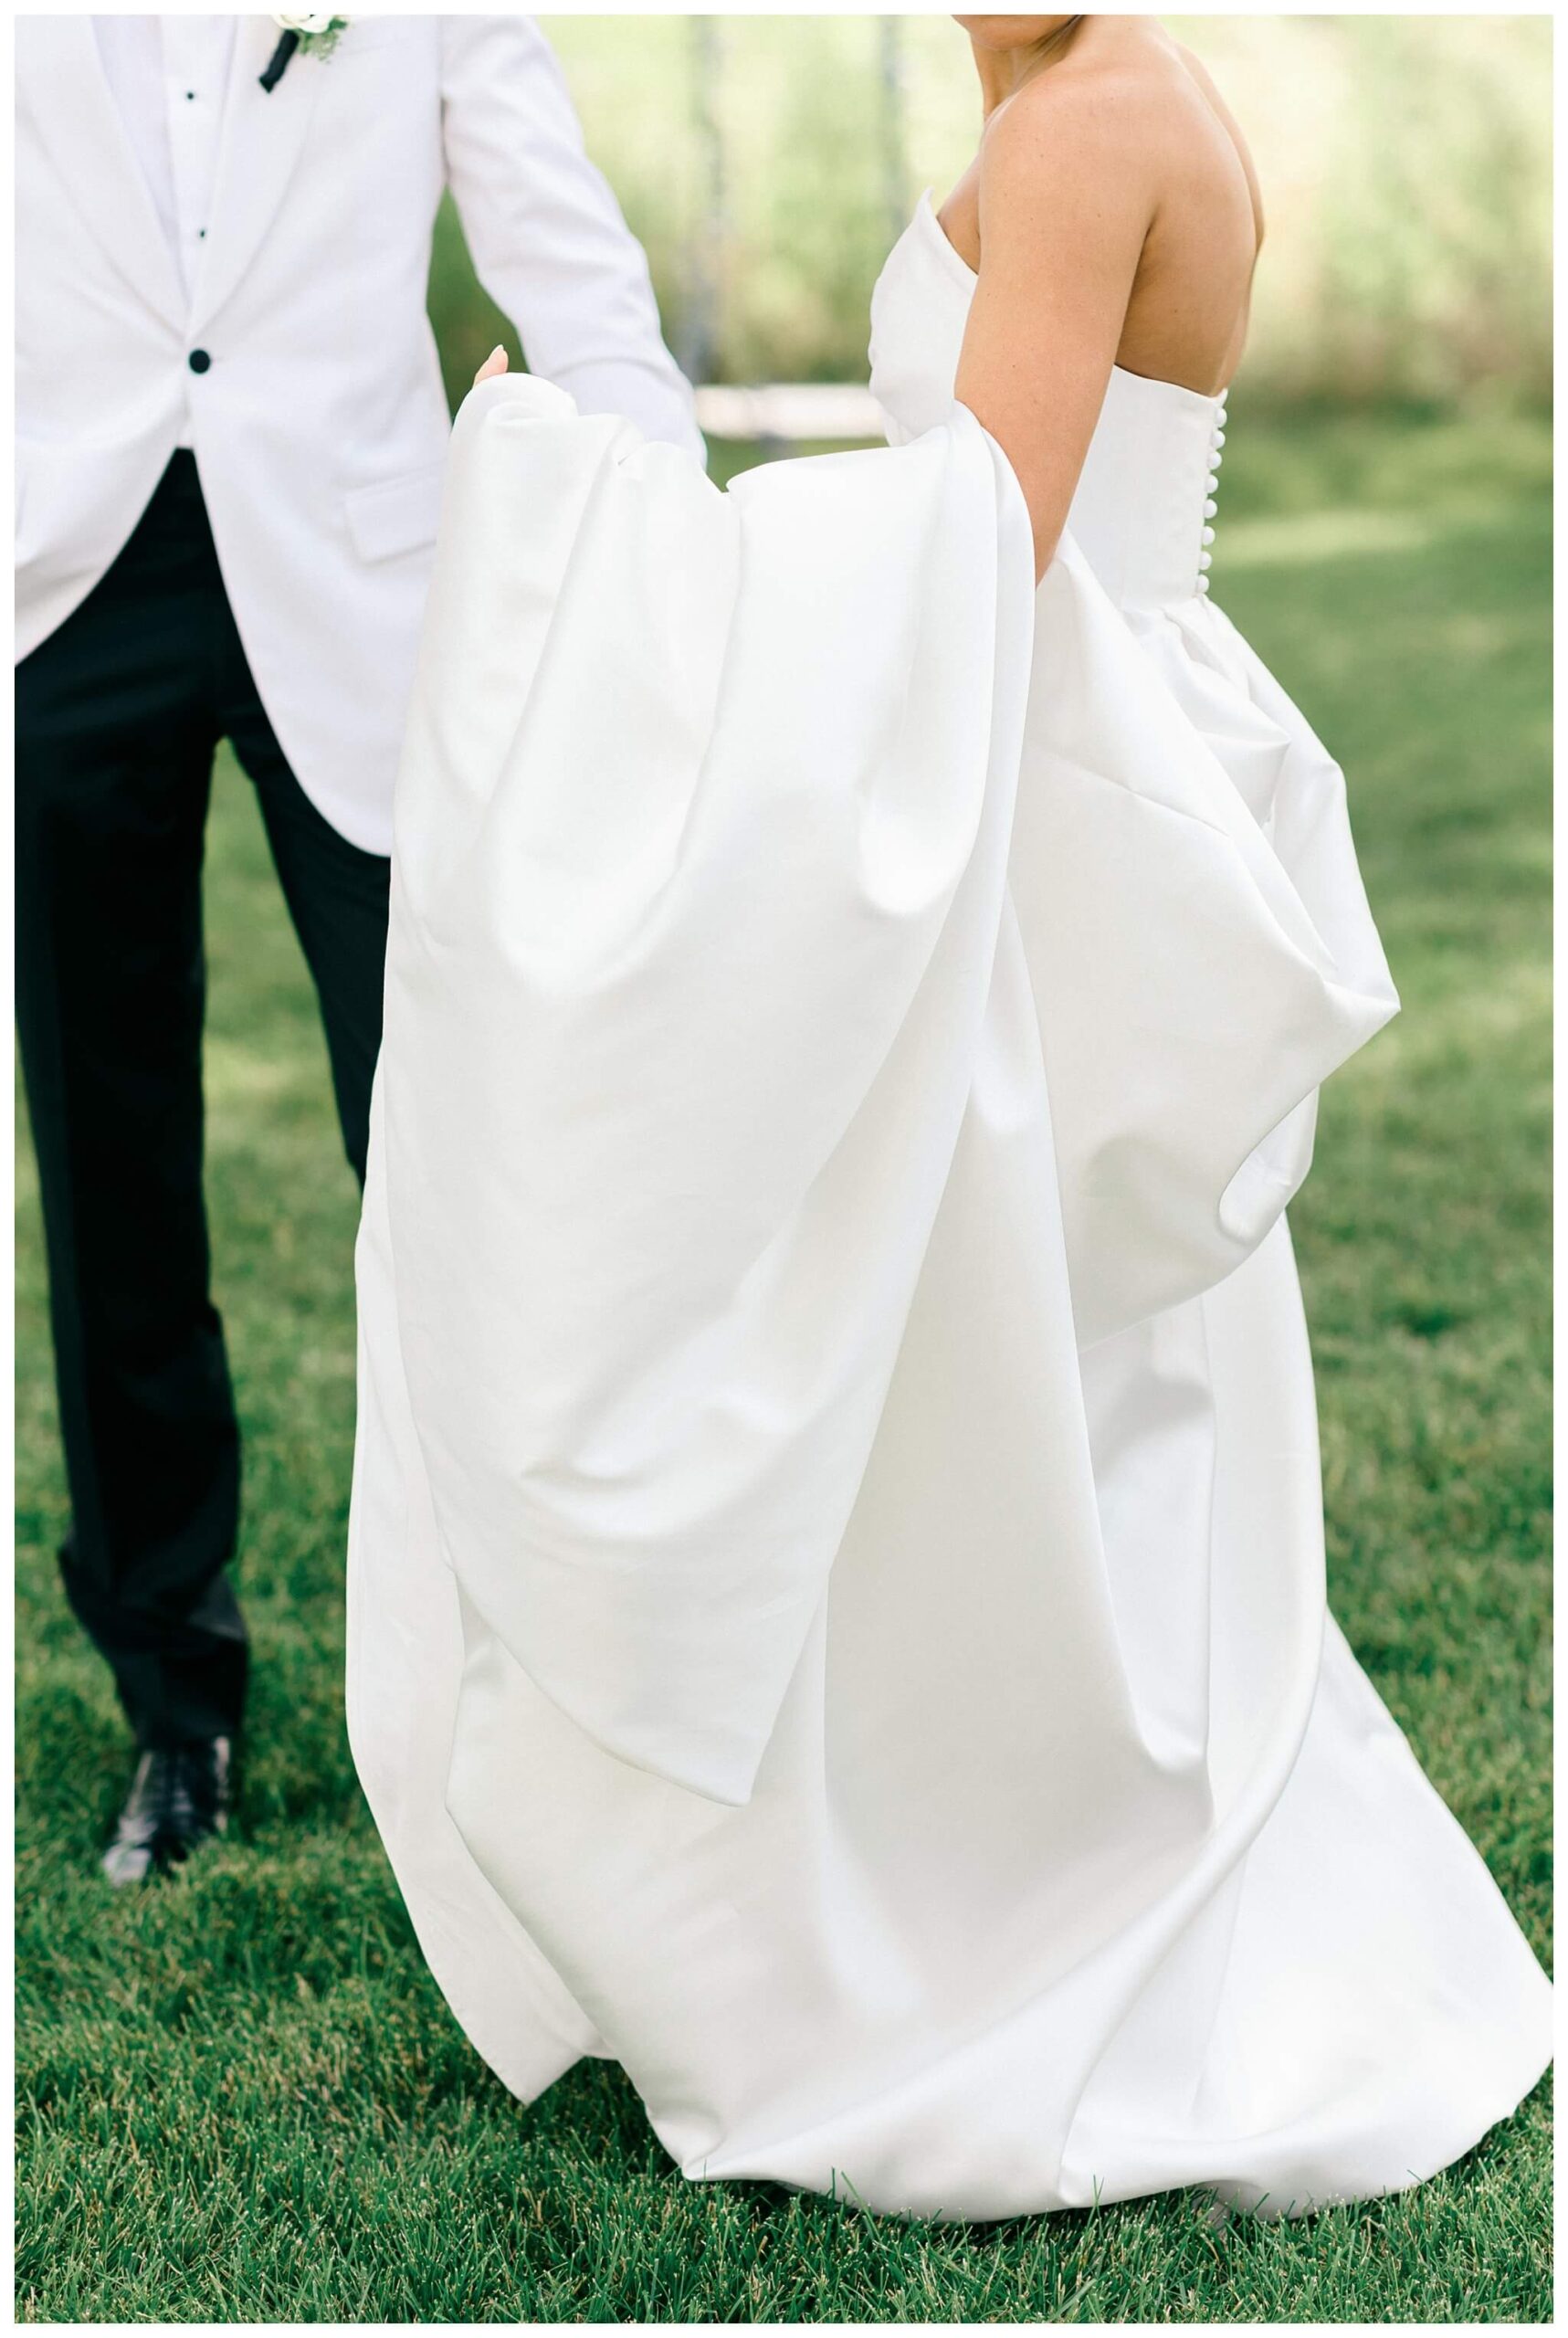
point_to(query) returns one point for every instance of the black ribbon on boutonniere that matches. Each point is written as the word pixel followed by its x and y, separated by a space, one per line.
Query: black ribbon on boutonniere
pixel 278 65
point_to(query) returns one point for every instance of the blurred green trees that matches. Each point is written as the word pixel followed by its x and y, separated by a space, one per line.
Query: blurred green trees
pixel 1405 164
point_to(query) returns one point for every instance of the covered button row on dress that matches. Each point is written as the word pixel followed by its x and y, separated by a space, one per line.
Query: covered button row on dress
pixel 1217 441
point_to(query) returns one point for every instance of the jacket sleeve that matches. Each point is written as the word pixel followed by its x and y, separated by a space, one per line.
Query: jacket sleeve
pixel 546 233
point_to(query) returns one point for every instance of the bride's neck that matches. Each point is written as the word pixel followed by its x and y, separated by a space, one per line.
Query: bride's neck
pixel 1003 72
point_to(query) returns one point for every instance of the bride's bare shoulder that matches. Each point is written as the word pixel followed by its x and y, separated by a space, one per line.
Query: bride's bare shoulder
pixel 1072 147
pixel 1128 112
pixel 1081 109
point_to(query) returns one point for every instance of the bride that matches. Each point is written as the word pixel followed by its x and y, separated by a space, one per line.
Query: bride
pixel 837 1567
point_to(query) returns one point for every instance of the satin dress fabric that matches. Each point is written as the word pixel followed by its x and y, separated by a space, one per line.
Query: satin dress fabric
pixel 836 1592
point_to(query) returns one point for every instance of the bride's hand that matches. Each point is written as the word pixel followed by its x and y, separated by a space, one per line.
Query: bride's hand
pixel 494 364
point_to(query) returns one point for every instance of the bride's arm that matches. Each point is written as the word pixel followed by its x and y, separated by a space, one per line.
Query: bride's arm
pixel 1067 199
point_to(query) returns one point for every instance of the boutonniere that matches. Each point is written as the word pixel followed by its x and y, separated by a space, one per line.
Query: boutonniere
pixel 311 30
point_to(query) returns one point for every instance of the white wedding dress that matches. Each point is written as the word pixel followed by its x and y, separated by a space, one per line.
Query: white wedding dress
pixel 836 1605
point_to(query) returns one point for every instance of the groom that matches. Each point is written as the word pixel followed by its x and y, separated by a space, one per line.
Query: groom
pixel 231 434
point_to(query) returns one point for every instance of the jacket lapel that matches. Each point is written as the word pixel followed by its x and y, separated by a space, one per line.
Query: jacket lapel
pixel 60 80
pixel 259 146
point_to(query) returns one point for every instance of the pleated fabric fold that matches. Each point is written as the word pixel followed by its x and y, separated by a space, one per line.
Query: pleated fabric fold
pixel 699 860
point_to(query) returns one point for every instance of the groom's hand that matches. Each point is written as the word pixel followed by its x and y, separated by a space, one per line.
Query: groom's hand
pixel 494 364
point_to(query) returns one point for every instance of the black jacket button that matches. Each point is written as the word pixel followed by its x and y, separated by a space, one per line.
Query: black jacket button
pixel 199 360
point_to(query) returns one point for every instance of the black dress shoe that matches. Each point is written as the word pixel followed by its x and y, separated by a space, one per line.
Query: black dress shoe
pixel 179 1795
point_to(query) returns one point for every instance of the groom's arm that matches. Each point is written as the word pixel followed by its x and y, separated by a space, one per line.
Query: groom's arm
pixel 545 232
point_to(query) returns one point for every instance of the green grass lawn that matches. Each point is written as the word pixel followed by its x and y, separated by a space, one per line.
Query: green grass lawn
pixel 241 2096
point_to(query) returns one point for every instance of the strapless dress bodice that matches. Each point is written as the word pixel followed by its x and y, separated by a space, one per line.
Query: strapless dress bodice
pixel 1143 511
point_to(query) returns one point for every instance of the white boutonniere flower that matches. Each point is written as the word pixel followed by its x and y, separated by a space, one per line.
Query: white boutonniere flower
pixel 311 30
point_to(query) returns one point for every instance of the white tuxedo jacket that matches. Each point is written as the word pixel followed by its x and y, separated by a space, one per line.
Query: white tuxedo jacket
pixel 320 425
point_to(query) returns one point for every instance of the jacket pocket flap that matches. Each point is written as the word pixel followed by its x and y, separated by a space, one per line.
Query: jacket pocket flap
pixel 396 514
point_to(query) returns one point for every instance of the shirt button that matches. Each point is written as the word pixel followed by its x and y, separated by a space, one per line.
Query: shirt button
pixel 1203 584
pixel 199 360
pixel 1207 536
pixel 1210 508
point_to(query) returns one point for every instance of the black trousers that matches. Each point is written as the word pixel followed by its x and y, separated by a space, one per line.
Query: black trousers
pixel 118 717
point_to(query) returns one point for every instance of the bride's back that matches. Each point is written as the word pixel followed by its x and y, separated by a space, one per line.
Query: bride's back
pixel 1134 88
